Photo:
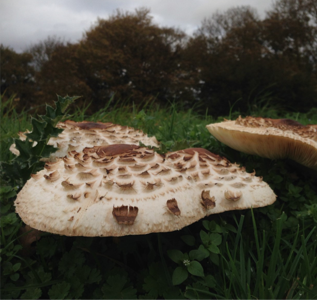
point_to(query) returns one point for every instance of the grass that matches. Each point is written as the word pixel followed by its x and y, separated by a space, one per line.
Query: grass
pixel 265 253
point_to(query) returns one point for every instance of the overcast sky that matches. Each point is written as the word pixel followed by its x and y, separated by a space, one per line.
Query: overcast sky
pixel 26 22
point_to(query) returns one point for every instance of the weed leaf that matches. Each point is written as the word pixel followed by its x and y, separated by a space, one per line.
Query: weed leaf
pixel 59 291
pixel 175 255
pixel 196 269
pixel 180 274
pixel 31 294
pixel 116 288
pixel 199 254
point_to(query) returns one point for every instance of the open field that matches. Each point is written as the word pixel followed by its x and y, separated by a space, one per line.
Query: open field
pixel 264 253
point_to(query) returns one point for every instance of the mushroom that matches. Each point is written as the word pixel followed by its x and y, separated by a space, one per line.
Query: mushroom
pixel 125 189
pixel 271 138
pixel 78 135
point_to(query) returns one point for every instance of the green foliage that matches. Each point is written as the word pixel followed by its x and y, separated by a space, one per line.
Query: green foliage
pixel 117 287
pixel 187 264
pixel 11 123
pixel 28 162
pixel 265 253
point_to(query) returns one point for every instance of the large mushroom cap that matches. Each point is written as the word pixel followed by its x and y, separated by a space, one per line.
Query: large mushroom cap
pixel 271 138
pixel 126 189
pixel 78 135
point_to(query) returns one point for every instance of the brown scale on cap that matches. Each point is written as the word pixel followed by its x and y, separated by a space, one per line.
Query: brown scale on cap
pixel 89 175
pixel 82 167
pixel 174 155
pixel 124 176
pixel 150 186
pixel 50 166
pixel 222 171
pixel 127 160
pixel 66 184
pixel 238 185
pixel 89 125
pixel 174 179
pixel 205 172
pixel 122 169
pixel 125 214
pixel 233 196
pixel 52 176
pixel 163 171
pixel 156 165
pixel 207 201
pixel 173 207
pixel 68 160
pixel 111 150
pixel 75 196
pixel 90 184
pixel 144 174
pixel 69 167
pixel 125 186
pixel 86 158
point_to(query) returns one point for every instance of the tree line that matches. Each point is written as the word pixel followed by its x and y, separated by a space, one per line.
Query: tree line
pixel 233 58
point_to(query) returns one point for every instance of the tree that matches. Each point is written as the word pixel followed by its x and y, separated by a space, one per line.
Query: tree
pixel 290 28
pixel 227 49
pixel 290 33
pixel 61 74
pixel 130 57
pixel 240 57
pixel 43 51
pixel 17 74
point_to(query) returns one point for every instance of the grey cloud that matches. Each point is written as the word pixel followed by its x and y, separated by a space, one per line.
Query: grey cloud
pixel 26 22
pixel 188 14
pixel 93 6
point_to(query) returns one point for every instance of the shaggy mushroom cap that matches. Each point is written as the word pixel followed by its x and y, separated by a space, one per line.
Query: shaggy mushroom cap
pixel 271 138
pixel 78 135
pixel 122 190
